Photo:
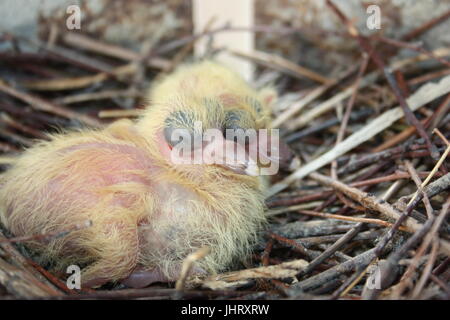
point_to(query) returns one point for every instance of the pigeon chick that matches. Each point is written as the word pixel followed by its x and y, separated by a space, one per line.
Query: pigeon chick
pixel 148 211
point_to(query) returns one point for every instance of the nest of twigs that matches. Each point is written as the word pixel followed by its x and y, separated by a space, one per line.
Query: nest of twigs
pixel 363 216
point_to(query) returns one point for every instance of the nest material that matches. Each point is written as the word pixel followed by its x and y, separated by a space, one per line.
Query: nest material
pixel 338 223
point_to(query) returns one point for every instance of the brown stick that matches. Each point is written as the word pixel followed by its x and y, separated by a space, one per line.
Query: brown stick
pixel 20 283
pixel 43 105
pixel 424 246
pixel 332 249
pixel 298 247
pixel 24 128
pixel 21 278
pixel 283 65
pixel 418 183
pixel 417 48
pixel 348 218
pixel 367 47
pixel 409 115
pixel 77 82
pixel 368 201
pixel 428 76
pixel 83 42
pixel 334 272
pixel 348 110
pixel 426 26
pixel 402 136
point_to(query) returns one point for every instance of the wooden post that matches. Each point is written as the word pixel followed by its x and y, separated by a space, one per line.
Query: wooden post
pixel 238 13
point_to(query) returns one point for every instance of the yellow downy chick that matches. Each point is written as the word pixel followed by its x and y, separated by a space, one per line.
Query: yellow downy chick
pixel 148 213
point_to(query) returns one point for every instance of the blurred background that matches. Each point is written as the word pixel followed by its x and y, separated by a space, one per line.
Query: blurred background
pixel 303 31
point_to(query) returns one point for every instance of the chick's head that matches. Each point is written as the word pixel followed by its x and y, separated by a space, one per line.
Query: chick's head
pixel 207 115
pixel 206 132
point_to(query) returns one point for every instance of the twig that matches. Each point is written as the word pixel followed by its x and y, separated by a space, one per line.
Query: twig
pixel 394 258
pixel 358 162
pixel 22 276
pixel 402 136
pixel 368 201
pixel 300 229
pixel 299 105
pixel 166 293
pixel 418 183
pixel 442 284
pixel 428 77
pixel 426 271
pixel 288 201
pixel 50 277
pixel 83 42
pixel 417 48
pixel 274 212
pixel 265 256
pixel 426 26
pixel 298 247
pixel 334 272
pixel 440 113
pixel 409 115
pixel 367 47
pixel 129 113
pixel 18 139
pixel 435 168
pixel 362 236
pixel 22 284
pixel 347 218
pixel 181 54
pixel 106 94
pixel 19 126
pixel 242 277
pixel 391 177
pixel 348 110
pixel 332 249
pixel 187 266
pixel 68 55
pixel 327 105
pixel 77 82
pixel 351 282
pixel 357 115
pixel 43 105
pixel 429 237
pixel 351 101
pixel 48 236
pixel 283 65
pixel 422 96
pixel 378 250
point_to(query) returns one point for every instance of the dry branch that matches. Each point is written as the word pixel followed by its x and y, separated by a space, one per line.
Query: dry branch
pixel 240 278
pixel 422 96
pixel 84 42
pixel 43 105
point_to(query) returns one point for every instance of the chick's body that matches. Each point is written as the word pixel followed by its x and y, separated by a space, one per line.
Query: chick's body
pixel 147 213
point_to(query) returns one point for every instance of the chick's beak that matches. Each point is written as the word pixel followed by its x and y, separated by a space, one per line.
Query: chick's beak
pixel 254 158
pixel 272 151
pixel 264 154
pixel 230 155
